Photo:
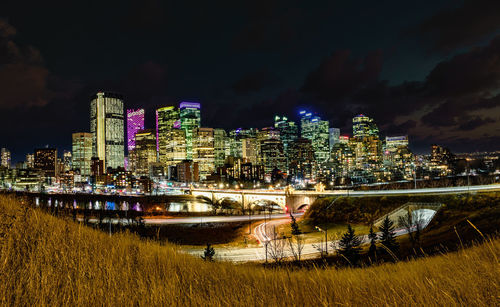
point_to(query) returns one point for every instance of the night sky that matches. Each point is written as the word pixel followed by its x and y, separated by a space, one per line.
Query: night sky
pixel 429 69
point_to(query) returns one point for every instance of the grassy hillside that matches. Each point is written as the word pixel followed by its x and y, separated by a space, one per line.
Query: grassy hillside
pixel 45 260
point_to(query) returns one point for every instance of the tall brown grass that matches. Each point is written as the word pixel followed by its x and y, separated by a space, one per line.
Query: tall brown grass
pixel 48 261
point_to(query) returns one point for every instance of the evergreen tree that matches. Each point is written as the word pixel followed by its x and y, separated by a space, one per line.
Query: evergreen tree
pixel 208 254
pixel 372 236
pixel 387 237
pixel 295 226
pixel 349 245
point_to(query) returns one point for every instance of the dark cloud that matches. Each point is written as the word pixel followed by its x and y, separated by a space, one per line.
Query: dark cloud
pixel 341 75
pixel 476 71
pixel 255 81
pixel 23 75
pixel 400 129
pixel 475 122
pixel 461 26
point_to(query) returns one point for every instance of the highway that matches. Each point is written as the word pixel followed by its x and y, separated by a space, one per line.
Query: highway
pixel 212 219
pixel 199 219
pixel 263 233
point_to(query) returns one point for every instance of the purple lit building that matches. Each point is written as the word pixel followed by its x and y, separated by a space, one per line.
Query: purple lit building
pixel 135 122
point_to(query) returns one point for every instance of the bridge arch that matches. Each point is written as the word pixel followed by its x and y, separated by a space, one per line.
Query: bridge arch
pixel 265 204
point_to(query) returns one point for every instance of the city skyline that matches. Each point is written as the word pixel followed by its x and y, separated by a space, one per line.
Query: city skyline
pixel 411 72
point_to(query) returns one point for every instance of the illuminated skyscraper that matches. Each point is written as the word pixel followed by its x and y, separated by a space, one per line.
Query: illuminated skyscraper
pixel 82 152
pixel 272 155
pixel 334 137
pixel 5 156
pixel 46 161
pixel 170 139
pixel 364 126
pixel 219 147
pixel 144 152
pixel 176 146
pixel 289 131
pixel 106 126
pixel 235 140
pixel 316 130
pixel 67 160
pixel 135 122
pixel 367 149
pixel 250 149
pixel 30 158
pixel 190 119
pixel 302 163
pixel 398 158
pixel 204 151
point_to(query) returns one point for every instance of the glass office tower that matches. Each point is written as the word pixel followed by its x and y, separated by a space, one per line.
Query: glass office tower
pixel 190 119
pixel 135 122
pixel 82 152
pixel 106 126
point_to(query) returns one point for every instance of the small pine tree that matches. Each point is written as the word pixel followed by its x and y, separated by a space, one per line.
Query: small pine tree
pixel 387 237
pixel 372 236
pixel 295 226
pixel 349 245
pixel 208 254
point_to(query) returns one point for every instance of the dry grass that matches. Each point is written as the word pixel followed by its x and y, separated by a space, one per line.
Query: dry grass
pixel 47 261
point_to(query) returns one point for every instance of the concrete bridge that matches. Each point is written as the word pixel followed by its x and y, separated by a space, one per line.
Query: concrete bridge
pixel 251 198
pixel 297 199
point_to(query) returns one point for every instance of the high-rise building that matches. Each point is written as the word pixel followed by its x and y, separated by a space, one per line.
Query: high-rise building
pixel 30 158
pixel 441 160
pixel 398 158
pixel 219 147
pixel 144 152
pixel 364 126
pixel 190 119
pixel 106 126
pixel 187 171
pixel 204 151
pixel 135 122
pixel 46 161
pixel 289 131
pixel 167 130
pixel 67 160
pixel 235 141
pixel 334 137
pixel 301 163
pixel 176 146
pixel 5 156
pixel 272 155
pixel 82 152
pixel 250 149
pixel 316 130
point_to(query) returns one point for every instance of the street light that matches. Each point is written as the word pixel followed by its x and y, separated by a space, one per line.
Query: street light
pixel 326 237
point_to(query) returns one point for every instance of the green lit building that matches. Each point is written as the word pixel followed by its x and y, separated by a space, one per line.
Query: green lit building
pixel 190 117
pixel 167 129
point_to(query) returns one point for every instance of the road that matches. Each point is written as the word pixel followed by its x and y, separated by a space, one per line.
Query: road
pixel 199 219
pixel 212 219
pixel 263 233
